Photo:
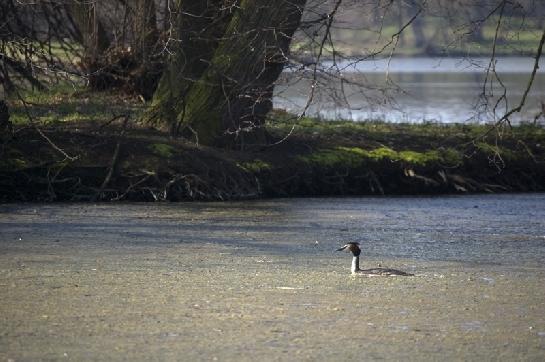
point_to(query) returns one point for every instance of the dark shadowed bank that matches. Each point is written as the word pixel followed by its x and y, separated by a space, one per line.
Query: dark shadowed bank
pixel 87 161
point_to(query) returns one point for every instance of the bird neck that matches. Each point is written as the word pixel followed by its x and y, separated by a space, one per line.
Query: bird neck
pixel 355 264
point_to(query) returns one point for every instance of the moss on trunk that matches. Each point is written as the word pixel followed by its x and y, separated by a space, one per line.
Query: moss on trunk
pixel 198 27
pixel 227 102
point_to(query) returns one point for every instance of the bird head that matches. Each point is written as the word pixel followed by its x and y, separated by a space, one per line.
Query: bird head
pixel 351 247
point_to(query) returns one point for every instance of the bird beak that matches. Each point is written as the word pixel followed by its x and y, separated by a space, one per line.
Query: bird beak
pixel 341 249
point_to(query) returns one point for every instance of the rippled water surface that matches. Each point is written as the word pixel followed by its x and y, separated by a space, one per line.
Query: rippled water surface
pixel 231 281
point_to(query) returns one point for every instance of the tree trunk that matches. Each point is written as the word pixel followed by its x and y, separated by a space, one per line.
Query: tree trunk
pixel 144 59
pixel 195 37
pixel 400 23
pixel 91 32
pixel 420 41
pixel 144 29
pixel 227 102
pixel 92 36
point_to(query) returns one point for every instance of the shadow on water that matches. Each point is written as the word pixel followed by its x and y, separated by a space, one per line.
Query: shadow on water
pixel 486 228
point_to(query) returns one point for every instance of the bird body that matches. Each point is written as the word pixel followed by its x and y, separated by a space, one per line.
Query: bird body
pixel 354 248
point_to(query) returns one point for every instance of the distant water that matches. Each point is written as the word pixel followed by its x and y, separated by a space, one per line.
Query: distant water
pixel 504 229
pixel 415 90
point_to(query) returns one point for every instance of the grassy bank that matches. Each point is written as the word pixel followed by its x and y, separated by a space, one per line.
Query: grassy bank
pixel 90 147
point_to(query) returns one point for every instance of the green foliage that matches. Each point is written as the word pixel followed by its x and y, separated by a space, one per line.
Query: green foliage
pixel 162 149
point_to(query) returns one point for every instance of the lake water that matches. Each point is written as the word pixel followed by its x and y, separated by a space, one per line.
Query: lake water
pixel 415 90
pixel 232 281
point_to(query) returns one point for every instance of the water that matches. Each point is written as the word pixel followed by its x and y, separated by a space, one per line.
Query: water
pixel 502 229
pixel 416 90
pixel 160 281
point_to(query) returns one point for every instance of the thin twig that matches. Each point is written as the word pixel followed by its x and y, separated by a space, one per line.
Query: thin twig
pixel 114 118
pixel 114 161
pixel 40 132
pixel 330 18
pixel 522 102
pixel 530 80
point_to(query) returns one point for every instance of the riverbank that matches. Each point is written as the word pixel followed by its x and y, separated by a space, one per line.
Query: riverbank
pixel 91 160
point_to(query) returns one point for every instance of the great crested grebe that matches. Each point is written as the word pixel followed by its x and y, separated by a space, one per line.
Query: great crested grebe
pixel 354 248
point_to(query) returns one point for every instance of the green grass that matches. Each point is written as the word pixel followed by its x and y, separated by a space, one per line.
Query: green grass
pixel 354 157
pixel 349 145
pixel 68 102
pixel 67 52
pixel 283 122
pixel 341 142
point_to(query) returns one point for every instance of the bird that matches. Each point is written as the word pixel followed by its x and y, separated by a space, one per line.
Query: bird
pixel 354 248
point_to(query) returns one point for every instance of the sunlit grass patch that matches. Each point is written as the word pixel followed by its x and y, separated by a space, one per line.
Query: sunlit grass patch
pixel 334 158
pixel 69 102
pixel 283 122
pixel 354 157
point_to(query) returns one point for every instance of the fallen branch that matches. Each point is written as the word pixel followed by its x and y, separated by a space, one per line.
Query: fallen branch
pixel 52 144
pixel 131 187
pixel 113 119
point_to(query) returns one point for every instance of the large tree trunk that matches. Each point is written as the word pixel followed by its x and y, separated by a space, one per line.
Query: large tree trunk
pixel 92 36
pixel 194 38
pixel 134 65
pixel 144 59
pixel 91 32
pixel 226 96
pixel 420 41
pixel 144 29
